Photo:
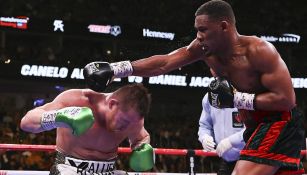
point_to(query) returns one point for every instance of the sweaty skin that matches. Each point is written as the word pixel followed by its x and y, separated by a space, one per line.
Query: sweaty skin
pixel 249 63
pixel 101 141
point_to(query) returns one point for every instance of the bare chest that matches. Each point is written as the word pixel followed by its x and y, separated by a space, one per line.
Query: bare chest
pixel 239 72
pixel 100 138
pixel 96 144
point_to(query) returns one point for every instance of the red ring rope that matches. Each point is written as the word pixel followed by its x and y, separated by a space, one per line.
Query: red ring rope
pixel 163 151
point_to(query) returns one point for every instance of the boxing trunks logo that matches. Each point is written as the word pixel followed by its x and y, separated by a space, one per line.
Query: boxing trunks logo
pixel 236 120
pixel 88 167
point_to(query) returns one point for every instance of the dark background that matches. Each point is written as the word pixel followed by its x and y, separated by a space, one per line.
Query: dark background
pixel 173 121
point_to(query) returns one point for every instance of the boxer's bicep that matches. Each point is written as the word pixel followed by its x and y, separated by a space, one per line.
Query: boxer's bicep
pixel 65 99
pixel 275 78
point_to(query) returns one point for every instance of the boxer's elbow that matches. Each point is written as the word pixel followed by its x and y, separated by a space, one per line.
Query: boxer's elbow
pixel 24 124
pixel 29 125
pixel 286 103
pixel 292 102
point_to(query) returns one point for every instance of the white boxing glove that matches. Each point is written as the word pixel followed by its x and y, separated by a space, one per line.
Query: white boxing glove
pixel 208 143
pixel 223 147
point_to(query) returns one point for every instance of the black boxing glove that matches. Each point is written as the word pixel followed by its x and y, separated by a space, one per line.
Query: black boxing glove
pixel 223 95
pixel 98 75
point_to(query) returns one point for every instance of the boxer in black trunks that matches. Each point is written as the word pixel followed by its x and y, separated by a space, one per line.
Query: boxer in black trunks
pixel 261 86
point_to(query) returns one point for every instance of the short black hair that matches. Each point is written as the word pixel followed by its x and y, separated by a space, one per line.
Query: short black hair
pixel 217 10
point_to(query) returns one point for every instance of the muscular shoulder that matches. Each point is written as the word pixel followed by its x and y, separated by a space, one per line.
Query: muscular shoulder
pixel 71 96
pixel 71 92
pixel 262 54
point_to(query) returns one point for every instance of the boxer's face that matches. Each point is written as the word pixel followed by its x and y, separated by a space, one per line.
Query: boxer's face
pixel 122 120
pixel 208 33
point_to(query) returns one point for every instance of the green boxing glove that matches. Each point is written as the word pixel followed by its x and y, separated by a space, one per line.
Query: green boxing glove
pixel 142 158
pixel 79 119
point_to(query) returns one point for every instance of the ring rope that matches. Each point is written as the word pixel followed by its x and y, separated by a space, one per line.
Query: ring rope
pixel 125 150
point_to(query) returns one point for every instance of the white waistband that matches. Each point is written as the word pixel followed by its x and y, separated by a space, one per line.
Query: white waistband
pixel 90 166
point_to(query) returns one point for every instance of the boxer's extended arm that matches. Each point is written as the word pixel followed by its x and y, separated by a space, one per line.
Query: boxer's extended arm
pixel 160 64
pixel 98 75
pixel 275 78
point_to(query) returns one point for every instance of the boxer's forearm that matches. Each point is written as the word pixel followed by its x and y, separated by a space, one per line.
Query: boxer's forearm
pixel 151 66
pixel 137 143
pixel 137 140
pixel 274 102
pixel 160 64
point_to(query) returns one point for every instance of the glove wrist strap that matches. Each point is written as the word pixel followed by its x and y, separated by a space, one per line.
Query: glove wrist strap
pixel 244 100
pixel 48 120
pixel 122 69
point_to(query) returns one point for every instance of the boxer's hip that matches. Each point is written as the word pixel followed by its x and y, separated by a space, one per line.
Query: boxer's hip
pixel 253 118
pixel 276 143
pixel 68 165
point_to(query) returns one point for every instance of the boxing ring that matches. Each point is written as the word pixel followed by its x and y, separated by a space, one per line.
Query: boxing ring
pixel 189 153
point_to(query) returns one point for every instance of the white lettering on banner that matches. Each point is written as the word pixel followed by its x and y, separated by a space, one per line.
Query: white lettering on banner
pixel 299 82
pixel 44 71
pixel 77 74
pixel 176 80
pixel 99 28
pixel 269 38
pixel 135 79
pixel 286 37
pixel 58 25
pixel 107 29
pixel 117 79
pixel 18 22
pixel 200 81
pixel 156 34
pixel 12 19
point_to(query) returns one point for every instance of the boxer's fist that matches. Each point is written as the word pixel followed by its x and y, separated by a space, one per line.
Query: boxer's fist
pixel 98 75
pixel 79 119
pixel 142 158
pixel 221 93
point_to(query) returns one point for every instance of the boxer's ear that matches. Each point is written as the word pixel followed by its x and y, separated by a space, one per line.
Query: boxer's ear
pixel 224 25
pixel 113 103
